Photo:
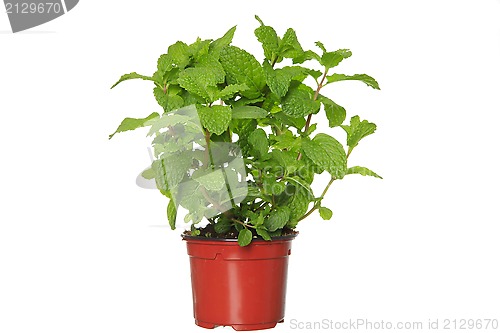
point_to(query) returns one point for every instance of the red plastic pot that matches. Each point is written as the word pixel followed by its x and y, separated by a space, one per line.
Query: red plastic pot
pixel 242 287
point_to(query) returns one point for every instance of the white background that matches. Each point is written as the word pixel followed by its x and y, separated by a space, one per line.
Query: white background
pixel 83 249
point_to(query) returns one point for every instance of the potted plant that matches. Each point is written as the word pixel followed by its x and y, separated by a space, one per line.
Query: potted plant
pixel 236 147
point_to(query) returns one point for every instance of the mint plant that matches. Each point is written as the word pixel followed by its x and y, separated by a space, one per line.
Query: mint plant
pixel 262 110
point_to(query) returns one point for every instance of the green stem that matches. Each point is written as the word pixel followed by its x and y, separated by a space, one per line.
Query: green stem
pixel 317 204
pixel 242 223
pixel 316 94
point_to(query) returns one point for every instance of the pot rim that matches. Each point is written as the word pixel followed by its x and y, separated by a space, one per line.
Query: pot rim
pixel 233 240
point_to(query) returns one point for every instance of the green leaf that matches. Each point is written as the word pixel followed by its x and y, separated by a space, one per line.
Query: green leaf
pixel 332 59
pixel 222 226
pixel 321 46
pixel 199 49
pixel 258 19
pixel 164 64
pixel 327 153
pixel 202 80
pixel 299 102
pixel 216 118
pixel 325 213
pixel 289 45
pixel 258 141
pixel 299 182
pixel 171 214
pixel 269 40
pixel 218 44
pixel 230 90
pixel 148 174
pixel 249 112
pixel 170 171
pixel 179 54
pixel 242 68
pixel 129 124
pixel 314 73
pixel 131 76
pixel 212 180
pixel 298 202
pixel 279 80
pixel 298 123
pixel 165 121
pixel 262 232
pixel 287 141
pixel 199 82
pixel 368 80
pixel 362 171
pixel 334 113
pixel 357 130
pixel 259 221
pixel 166 101
pixel 278 218
pixel 307 55
pixel 272 186
pixel 244 237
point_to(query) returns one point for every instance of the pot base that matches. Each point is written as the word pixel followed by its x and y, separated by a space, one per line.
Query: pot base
pixel 243 327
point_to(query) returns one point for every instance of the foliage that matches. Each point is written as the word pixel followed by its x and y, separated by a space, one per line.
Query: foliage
pixel 259 109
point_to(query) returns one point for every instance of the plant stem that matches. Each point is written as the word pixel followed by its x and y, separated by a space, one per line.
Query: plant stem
pixel 318 202
pixel 316 94
pixel 242 223
pixel 220 209
pixel 208 157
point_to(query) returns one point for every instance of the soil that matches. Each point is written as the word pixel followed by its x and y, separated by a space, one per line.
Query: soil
pixel 209 232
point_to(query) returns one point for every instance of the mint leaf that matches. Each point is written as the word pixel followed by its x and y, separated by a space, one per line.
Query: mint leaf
pixel 269 40
pixel 334 113
pixel 170 172
pixel 362 171
pixel 357 130
pixel 299 102
pixel 242 68
pixel 164 64
pixel 171 214
pixel 299 182
pixel 244 237
pixel 298 123
pixel 249 112
pixel 368 80
pixel 279 80
pixel 216 118
pixel 212 180
pixel 222 226
pixel 307 55
pixel 148 174
pixel 129 124
pixel 262 232
pixel 230 90
pixel 332 59
pixel 298 202
pixel 199 49
pixel 259 143
pixel 321 46
pixel 179 54
pixel 199 82
pixel 166 120
pixel 325 213
pixel 278 218
pixel 202 79
pixel 218 44
pixel 289 45
pixel 327 153
pixel 131 76
pixel 166 101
